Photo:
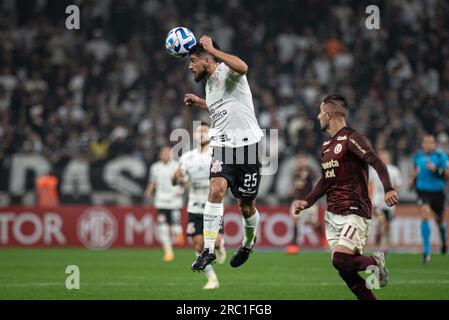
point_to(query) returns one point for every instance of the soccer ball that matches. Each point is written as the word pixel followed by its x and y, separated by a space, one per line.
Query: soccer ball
pixel 179 41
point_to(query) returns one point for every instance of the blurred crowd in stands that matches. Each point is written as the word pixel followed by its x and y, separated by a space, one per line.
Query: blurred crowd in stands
pixel 109 88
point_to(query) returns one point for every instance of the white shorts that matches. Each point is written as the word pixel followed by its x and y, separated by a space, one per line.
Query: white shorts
pixel 309 215
pixel 350 231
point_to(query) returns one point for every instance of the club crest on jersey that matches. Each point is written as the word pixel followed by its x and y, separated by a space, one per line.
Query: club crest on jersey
pixel 216 166
pixel 338 148
pixel 214 81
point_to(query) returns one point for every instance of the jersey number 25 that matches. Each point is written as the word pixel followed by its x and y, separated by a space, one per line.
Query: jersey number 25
pixel 250 180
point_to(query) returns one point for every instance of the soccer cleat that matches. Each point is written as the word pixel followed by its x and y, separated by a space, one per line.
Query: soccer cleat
pixel 221 255
pixel 212 283
pixel 425 258
pixel 241 255
pixel 169 257
pixel 204 259
pixel 443 249
pixel 383 271
pixel 292 249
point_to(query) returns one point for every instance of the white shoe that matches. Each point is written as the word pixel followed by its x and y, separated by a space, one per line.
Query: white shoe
pixel 383 271
pixel 221 255
pixel 212 283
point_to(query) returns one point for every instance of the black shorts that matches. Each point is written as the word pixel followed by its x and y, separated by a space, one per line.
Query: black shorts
pixel 240 167
pixel 195 225
pixel 434 199
pixel 170 216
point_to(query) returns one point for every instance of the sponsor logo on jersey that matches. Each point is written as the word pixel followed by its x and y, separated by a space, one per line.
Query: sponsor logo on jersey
pixel 217 115
pixel 247 191
pixel 338 148
pixel 342 138
pixel 357 146
pixel 216 166
pixel 216 102
pixel 330 164
pixel 221 138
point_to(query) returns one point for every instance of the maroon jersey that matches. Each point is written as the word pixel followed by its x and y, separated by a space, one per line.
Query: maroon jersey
pixel 303 179
pixel 344 162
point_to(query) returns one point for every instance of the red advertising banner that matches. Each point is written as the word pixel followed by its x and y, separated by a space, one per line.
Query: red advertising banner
pixel 103 227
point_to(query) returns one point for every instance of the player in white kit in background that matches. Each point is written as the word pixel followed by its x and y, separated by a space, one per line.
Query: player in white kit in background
pixel 193 173
pixel 235 136
pixel 382 212
pixel 167 200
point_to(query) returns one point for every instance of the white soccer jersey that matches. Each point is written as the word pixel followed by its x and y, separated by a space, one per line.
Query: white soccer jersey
pixel 167 196
pixel 195 167
pixel 229 99
pixel 378 189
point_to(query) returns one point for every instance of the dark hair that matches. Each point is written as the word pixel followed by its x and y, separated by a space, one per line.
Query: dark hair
pixel 336 99
pixel 198 49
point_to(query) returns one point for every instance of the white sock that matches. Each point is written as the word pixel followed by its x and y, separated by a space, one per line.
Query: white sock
pixel 164 237
pixel 213 217
pixel 209 270
pixel 250 226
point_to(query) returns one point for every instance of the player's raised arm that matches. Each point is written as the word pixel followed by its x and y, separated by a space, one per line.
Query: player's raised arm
pixel 233 62
pixel 359 146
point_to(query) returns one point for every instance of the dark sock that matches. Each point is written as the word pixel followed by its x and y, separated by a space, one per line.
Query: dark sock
pixel 348 262
pixel 357 285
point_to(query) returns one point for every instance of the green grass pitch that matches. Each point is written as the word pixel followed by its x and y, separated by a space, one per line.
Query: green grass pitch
pixel 141 274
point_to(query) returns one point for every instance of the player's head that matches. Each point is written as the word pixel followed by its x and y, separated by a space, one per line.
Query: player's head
pixel 428 143
pixel 165 154
pixel 384 155
pixel 332 107
pixel 201 62
pixel 201 134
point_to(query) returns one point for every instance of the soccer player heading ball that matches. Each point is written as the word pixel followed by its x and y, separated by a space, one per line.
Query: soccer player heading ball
pixel 344 160
pixel 235 136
